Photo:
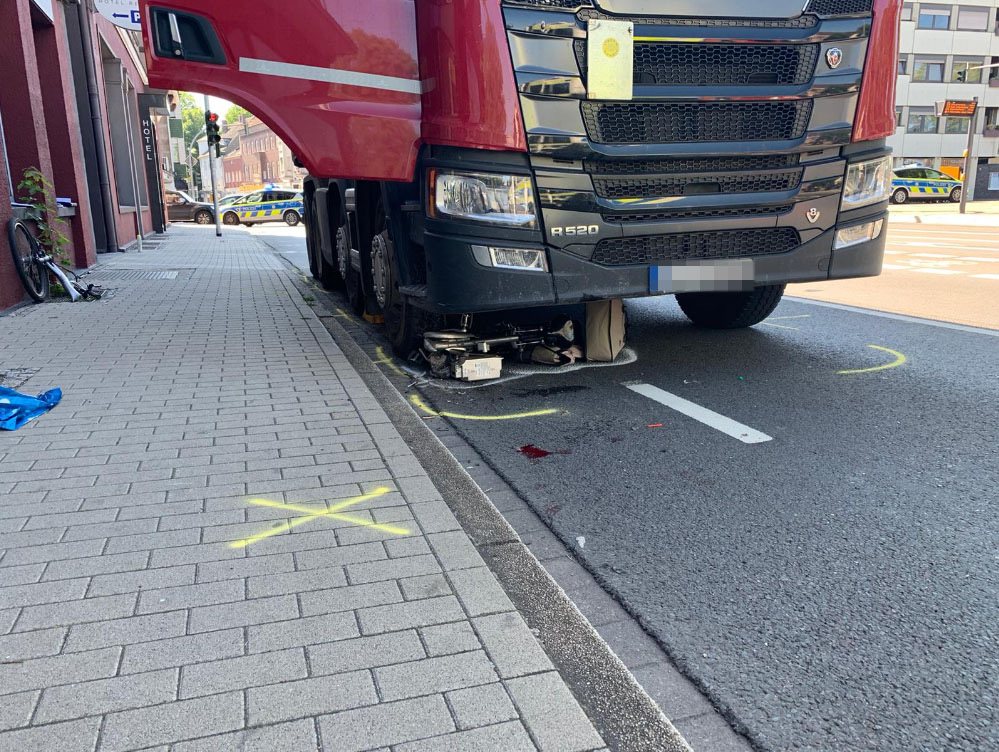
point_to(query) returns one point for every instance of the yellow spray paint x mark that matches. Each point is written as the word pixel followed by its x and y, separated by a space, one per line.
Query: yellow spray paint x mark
pixel 512 416
pixel 312 514
pixel 899 360
pixel 387 361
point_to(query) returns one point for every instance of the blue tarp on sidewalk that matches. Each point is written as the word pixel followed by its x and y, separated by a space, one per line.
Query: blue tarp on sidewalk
pixel 16 409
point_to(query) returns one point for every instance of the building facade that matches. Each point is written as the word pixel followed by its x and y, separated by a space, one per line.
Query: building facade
pixel 942 47
pixel 74 104
pixel 255 157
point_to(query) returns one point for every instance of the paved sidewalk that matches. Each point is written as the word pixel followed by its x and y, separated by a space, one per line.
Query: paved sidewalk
pixel 218 541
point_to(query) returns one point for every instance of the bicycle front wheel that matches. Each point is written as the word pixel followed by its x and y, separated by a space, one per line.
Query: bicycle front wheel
pixel 26 252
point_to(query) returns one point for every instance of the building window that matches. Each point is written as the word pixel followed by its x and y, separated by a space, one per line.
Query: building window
pixel 970 76
pixel 922 121
pixel 903 66
pixel 994 181
pixel 907 12
pixel 972 19
pixel 934 17
pixel 898 117
pixel 957 125
pixel 928 70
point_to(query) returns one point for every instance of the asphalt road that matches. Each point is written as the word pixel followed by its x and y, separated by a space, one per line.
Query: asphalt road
pixel 288 241
pixel 832 586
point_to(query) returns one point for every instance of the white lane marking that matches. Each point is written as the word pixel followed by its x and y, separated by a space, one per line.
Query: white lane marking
pixel 980 260
pixel 963 247
pixel 985 276
pixel 330 75
pixel 894 253
pixel 925 270
pixel 736 430
pixel 932 255
pixel 895 266
pixel 895 316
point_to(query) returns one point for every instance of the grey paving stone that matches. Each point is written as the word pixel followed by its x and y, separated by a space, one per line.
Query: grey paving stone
pixel 256 611
pixel 481 706
pixel 673 692
pixel 401 547
pixel 73 736
pixel 709 732
pixel 182 651
pixel 196 554
pixel 43 592
pixel 75 612
pixel 295 582
pixel 126 631
pixel 297 540
pixel 211 571
pixel 151 541
pixel 455 551
pixel 446 639
pixel 386 724
pixel 411 614
pixel 202 519
pixel 431 675
pixel 109 529
pixel 339 556
pixel 70 519
pixel 145 579
pixel 21 646
pixel 552 715
pixel 428 586
pixel 509 737
pixel 16 710
pixel 30 537
pixel 174 722
pixel 349 598
pixel 96 565
pixel 365 652
pixel 106 695
pixel 53 552
pixel 479 592
pixel 296 736
pixel 307 697
pixel 242 672
pixel 39 673
pixel 511 645
pixel 392 569
pixel 307 630
pixel 189 596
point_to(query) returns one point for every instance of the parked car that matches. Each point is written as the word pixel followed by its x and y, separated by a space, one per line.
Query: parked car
pixel 182 208
pixel 925 183
pixel 266 206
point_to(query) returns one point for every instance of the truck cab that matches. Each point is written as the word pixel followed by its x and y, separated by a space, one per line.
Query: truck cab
pixel 477 155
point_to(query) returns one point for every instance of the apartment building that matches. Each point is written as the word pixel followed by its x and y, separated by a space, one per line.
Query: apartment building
pixel 941 46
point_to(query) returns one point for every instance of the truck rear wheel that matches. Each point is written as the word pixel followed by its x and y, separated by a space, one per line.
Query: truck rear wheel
pixel 730 310
pixel 401 318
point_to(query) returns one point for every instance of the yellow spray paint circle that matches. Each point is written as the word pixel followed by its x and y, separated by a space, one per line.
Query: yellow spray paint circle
pixel 611 47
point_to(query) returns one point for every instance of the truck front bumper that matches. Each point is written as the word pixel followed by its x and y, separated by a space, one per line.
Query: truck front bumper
pixel 458 283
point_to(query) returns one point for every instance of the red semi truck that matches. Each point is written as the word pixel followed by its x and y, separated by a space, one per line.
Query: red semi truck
pixel 485 155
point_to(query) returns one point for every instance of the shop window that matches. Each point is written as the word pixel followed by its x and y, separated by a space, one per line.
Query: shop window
pixel 934 17
pixel 922 121
pixel 972 19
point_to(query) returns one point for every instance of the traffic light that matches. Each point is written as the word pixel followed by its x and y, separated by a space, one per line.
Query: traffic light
pixel 213 132
pixel 961 75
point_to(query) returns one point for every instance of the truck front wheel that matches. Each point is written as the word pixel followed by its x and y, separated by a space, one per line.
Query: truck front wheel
pixel 730 310
pixel 404 323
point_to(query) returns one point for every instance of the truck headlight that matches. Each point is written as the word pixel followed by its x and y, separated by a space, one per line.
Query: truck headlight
pixel 867 183
pixel 484 197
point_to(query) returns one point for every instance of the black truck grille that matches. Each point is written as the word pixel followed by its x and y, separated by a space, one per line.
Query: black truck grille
pixel 696 185
pixel 689 122
pixel 840 7
pixel 690 164
pixel 711 213
pixel 718 64
pixel 655 249
pixel 802 22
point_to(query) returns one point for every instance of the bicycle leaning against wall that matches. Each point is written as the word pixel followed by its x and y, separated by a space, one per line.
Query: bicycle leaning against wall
pixel 34 265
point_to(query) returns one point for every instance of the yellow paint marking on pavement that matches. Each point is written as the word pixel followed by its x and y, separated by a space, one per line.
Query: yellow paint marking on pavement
pixel 387 360
pixel 780 326
pixel 311 513
pixel 899 360
pixel 785 318
pixel 512 416
pixel 342 313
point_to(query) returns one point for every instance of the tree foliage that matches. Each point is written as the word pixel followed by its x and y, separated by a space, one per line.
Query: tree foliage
pixel 235 112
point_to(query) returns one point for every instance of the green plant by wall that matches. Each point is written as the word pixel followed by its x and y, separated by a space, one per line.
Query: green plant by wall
pixel 37 193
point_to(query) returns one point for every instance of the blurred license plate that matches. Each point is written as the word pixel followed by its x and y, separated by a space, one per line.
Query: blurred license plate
pixel 717 276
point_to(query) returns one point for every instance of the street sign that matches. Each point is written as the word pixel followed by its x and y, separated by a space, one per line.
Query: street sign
pixel 957 108
pixel 123 13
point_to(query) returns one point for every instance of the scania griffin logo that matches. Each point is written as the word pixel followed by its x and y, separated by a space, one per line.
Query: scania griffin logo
pixel 834 56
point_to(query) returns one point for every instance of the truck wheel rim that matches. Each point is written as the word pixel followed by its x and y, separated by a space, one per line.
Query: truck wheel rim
pixel 342 251
pixel 379 268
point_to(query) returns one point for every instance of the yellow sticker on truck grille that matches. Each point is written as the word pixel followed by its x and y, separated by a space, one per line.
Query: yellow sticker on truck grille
pixel 610 54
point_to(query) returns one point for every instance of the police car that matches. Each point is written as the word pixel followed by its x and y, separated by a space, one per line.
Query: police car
pixel 916 182
pixel 270 205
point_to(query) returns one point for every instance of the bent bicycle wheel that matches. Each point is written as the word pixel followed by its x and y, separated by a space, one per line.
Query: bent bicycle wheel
pixel 25 250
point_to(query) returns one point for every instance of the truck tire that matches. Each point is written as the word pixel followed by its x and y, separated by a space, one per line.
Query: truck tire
pixel 730 310
pixel 401 317
pixel 311 237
